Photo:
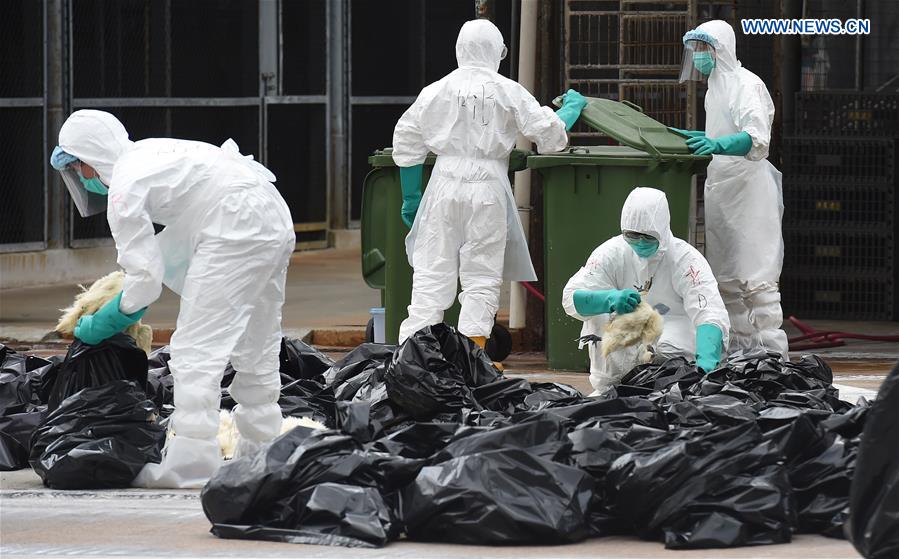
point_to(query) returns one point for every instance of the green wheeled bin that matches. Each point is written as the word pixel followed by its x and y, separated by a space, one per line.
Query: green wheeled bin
pixel 385 265
pixel 584 189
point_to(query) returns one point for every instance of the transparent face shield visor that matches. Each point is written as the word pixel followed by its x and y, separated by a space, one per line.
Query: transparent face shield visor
pixel 698 62
pixel 504 53
pixel 88 203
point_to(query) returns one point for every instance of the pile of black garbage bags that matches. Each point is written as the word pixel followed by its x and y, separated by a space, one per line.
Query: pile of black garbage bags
pixel 430 442
pixel 83 421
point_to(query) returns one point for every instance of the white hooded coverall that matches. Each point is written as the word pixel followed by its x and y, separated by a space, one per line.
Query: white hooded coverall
pixel 679 281
pixel 225 249
pixel 467 228
pixel 743 201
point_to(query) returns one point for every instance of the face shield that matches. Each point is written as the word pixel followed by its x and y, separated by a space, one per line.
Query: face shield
pixel 699 61
pixel 502 55
pixel 88 202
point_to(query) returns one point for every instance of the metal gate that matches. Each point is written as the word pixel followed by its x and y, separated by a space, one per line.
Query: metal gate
pixel 23 121
pixel 178 69
pixel 310 88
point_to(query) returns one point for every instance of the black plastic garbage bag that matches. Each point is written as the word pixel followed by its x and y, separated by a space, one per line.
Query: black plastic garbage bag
pixel 360 377
pixel 743 510
pixel 92 366
pixel 15 438
pixel 299 360
pixel 669 493
pixel 22 391
pixel 271 489
pixel 659 376
pixel 505 395
pixel 506 496
pixel 22 379
pixel 250 490
pixel 612 414
pixel 327 514
pixel 551 394
pixel 160 382
pixel 545 437
pixel 434 371
pixel 874 497
pixel 821 487
pixel 98 438
pixel 308 398
pixel 417 440
pixel 354 419
pixel 363 358
pixel 593 450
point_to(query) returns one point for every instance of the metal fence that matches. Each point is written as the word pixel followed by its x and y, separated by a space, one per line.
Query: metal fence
pixel 23 119
pixel 169 68
pixel 183 69
pixel 310 88
pixel 629 50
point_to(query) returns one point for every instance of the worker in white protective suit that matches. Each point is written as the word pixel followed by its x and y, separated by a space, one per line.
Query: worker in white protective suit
pixel 225 249
pixel 743 195
pixel 466 227
pixel 672 275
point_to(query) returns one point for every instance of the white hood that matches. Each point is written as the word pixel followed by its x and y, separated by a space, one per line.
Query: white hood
pixel 480 45
pixel 646 211
pixel 725 47
pixel 96 138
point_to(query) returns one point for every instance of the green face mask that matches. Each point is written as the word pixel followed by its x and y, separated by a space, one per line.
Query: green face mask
pixel 643 247
pixel 704 62
pixel 94 185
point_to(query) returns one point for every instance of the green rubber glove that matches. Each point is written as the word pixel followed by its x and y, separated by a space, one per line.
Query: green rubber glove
pixel 106 322
pixel 572 105
pixel 410 181
pixel 709 340
pixel 589 302
pixel 688 133
pixel 735 144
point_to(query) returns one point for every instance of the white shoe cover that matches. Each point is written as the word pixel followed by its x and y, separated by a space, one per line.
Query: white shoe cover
pixel 187 463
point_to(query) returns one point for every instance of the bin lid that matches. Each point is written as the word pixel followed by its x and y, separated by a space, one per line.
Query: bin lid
pixel 615 156
pixel 626 123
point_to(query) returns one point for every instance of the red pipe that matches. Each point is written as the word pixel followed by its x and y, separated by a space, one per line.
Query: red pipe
pixel 533 290
pixel 818 339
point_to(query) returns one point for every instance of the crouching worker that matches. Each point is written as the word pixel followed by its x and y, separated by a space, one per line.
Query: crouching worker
pixel 673 277
pixel 225 249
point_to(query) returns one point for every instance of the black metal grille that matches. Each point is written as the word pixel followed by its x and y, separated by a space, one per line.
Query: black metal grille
pixel 146 48
pixel 847 113
pixel 827 251
pixel 23 154
pixel 22 163
pixel 848 204
pixel 297 156
pixel 834 160
pixel 846 297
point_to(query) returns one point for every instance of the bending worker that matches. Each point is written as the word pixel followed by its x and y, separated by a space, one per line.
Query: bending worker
pixel 743 197
pixel 225 249
pixel 674 277
pixel 466 226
